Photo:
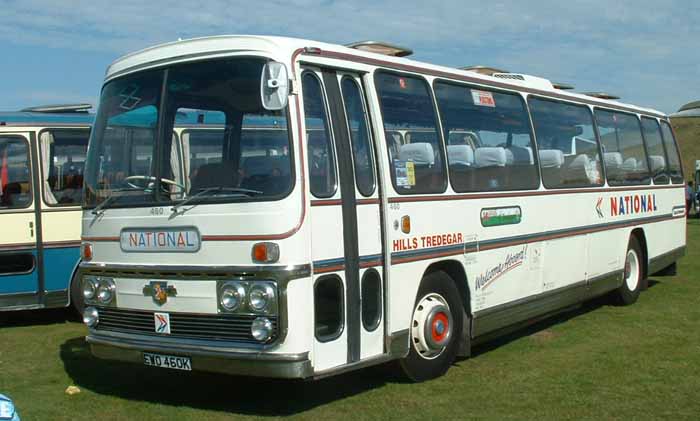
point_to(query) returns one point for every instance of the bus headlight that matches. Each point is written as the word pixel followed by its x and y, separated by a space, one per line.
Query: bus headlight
pixel 261 329
pixel 91 317
pixel 105 292
pixel 260 296
pixel 232 296
pixel 89 288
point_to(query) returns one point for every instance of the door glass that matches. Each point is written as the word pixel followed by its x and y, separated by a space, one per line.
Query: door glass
pixel 63 159
pixel 321 163
pixel 359 135
pixel 15 176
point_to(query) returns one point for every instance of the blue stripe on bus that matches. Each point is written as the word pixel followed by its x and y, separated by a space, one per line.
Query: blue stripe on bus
pixel 20 283
pixel 339 262
pixel 58 267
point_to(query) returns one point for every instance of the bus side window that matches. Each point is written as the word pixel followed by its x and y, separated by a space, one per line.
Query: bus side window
pixel 568 148
pixel 657 155
pixel 490 142
pixel 623 148
pixel 63 162
pixel 322 177
pixel 674 159
pixel 359 134
pixel 15 179
pixel 406 104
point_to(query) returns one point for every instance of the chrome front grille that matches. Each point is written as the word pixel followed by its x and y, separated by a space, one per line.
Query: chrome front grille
pixel 217 327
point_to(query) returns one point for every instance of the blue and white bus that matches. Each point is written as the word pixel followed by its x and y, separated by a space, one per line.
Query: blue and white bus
pixel 42 157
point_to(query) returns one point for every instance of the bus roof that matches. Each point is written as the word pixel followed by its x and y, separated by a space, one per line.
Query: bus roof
pixel 282 49
pixel 20 118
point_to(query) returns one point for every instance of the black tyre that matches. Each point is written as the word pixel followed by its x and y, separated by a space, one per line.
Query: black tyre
pixel 436 327
pixel 76 297
pixel 633 278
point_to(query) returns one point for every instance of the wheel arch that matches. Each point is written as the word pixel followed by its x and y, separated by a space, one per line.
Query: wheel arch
pixel 455 270
pixel 639 234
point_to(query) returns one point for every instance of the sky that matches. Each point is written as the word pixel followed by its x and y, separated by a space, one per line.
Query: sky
pixel 644 51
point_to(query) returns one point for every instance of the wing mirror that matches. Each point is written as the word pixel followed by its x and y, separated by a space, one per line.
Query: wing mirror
pixel 274 86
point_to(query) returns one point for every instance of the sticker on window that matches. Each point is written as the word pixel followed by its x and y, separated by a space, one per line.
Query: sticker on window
pixel 405 174
pixel 483 98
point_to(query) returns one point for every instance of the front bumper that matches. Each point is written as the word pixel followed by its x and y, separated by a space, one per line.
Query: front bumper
pixel 244 362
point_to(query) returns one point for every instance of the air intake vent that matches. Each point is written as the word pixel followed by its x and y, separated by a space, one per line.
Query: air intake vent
pixel 512 76
pixel 527 80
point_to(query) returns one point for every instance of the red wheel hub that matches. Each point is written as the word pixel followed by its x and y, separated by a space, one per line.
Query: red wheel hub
pixel 440 327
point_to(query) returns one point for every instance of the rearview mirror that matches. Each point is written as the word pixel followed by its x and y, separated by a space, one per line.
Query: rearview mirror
pixel 274 86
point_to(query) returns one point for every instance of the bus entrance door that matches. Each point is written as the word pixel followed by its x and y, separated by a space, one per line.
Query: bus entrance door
pixel 19 259
pixel 349 223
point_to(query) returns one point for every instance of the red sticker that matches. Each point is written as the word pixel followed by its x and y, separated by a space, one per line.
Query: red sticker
pixel 483 98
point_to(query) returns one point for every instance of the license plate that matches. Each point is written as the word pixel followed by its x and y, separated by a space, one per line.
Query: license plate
pixel 167 361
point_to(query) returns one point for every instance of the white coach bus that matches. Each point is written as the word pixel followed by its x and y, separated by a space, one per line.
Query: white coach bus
pixel 392 210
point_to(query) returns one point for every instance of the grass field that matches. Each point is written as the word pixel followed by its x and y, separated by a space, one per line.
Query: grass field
pixel 598 362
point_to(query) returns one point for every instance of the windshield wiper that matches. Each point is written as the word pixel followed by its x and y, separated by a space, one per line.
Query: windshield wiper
pixel 100 209
pixel 218 189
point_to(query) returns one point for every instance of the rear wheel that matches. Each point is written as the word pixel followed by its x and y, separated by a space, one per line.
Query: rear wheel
pixel 436 325
pixel 633 278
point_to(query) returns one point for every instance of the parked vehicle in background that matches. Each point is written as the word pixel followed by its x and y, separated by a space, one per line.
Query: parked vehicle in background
pixel 351 208
pixel 42 161
pixel 696 190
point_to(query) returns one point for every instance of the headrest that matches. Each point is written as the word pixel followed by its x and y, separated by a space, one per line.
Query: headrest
pixel 613 159
pixel 460 154
pixel 580 162
pixel 630 164
pixel 521 155
pixel 490 157
pixel 420 153
pixel 551 158
pixel 657 163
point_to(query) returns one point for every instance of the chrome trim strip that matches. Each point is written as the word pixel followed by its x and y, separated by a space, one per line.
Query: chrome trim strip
pixel 291 271
pixel 190 347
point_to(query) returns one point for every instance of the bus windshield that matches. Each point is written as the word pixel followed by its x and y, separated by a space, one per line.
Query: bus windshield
pixel 165 135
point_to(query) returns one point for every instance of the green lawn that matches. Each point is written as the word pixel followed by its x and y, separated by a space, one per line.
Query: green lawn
pixel 598 362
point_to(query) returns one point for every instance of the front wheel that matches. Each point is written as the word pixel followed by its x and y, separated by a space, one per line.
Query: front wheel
pixel 633 279
pixel 436 325
pixel 76 297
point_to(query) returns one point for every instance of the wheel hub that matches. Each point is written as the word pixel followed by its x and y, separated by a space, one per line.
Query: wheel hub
pixel 431 326
pixel 632 270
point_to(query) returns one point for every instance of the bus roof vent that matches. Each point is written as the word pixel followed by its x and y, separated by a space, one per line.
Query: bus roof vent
pixel 380 47
pixel 59 108
pixel 601 95
pixel 483 70
pixel 527 80
pixel 562 86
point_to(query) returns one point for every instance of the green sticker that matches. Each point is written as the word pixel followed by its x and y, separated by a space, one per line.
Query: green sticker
pixel 492 217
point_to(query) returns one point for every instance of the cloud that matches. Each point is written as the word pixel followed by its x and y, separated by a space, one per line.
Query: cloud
pixel 615 46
